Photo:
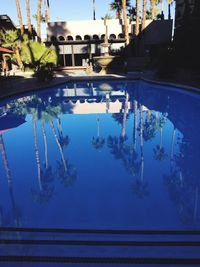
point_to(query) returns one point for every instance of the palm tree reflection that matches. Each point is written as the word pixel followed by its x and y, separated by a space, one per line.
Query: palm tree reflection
pixel 140 187
pixel 98 142
pixel 159 151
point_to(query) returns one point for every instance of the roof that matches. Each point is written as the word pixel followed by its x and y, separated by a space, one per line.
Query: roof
pixel 5 50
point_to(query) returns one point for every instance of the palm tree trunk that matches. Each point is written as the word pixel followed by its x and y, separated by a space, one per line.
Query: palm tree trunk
pixel 123 131
pixel 39 20
pixel 144 13
pixel 46 12
pixel 141 144
pixel 18 57
pixel 135 125
pixel 5 160
pixel 172 144
pixel 169 11
pixel 161 134
pixel 28 17
pixel 19 16
pixel 45 145
pixel 126 30
pixel 59 145
pixel 37 153
pixel 98 127
pixel 137 26
pixel 94 11
pixel 9 179
pixel 152 9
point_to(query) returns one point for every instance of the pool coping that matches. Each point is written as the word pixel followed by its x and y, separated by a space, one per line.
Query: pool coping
pixel 68 79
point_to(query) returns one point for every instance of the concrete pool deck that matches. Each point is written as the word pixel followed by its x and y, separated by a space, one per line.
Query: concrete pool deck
pixel 24 82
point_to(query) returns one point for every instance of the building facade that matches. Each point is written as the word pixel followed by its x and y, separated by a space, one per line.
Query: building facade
pixel 78 41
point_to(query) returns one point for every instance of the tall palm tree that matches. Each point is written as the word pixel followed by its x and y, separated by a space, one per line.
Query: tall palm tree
pixel 28 13
pixel 135 125
pixel 46 10
pixel 39 20
pixel 152 9
pixel 9 180
pixel 123 130
pixel 126 30
pixel 137 25
pixel 144 13
pixel 116 5
pixel 19 16
pixel 98 141
pixel 94 11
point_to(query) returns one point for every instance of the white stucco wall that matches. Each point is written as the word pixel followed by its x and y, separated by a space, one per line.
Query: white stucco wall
pixel 85 27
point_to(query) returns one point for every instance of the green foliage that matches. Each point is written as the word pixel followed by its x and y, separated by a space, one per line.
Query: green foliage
pixel 42 18
pixel 37 54
pixel 10 39
pixel 107 16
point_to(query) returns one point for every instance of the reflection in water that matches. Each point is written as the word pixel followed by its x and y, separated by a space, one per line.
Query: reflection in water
pixel 150 153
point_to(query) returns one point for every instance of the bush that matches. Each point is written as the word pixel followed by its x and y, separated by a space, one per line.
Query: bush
pixel 44 73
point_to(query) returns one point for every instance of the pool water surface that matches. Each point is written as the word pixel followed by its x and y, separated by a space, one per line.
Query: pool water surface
pixel 101 155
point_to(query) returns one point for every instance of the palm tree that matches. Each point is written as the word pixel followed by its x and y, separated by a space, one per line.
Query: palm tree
pixel 19 16
pixel 46 10
pixel 39 20
pixel 126 27
pixel 58 144
pixel 98 142
pixel 137 25
pixel 159 151
pixel 140 188
pixel 135 125
pixel 123 130
pixel 28 17
pixel 9 180
pixel 64 140
pixel 152 9
pixel 94 13
pixel 144 14
pixel 117 6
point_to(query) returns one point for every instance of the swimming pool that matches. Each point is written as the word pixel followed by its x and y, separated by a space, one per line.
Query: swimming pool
pixel 101 157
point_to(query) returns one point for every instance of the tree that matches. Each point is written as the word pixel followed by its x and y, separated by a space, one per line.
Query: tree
pixel 19 16
pixel 126 28
pixel 39 20
pixel 28 17
pixel 137 25
pixel 159 151
pixel 11 39
pixel 98 141
pixel 9 180
pixel 116 5
pixel 94 11
pixel 144 14
pixel 152 9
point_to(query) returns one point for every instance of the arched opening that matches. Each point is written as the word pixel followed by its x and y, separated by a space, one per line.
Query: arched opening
pixel 121 36
pixel 87 37
pixel 53 39
pixel 61 38
pixel 69 38
pixel 112 36
pixel 102 36
pixel 78 37
pixel 95 37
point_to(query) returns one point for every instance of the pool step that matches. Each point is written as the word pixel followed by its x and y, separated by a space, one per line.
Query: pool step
pixel 99 246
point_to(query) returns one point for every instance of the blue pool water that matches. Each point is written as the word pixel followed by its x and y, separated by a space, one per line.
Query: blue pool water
pixel 101 155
